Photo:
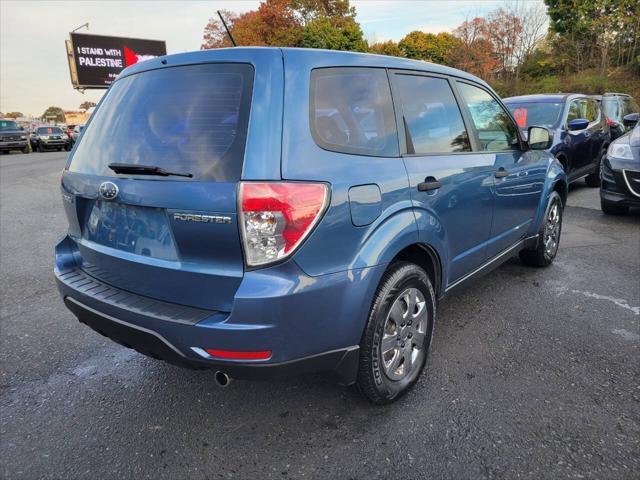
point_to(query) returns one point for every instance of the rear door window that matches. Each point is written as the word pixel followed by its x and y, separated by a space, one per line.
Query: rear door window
pixel 592 112
pixel 496 131
pixel 629 105
pixel 351 111
pixel 431 115
pixel 188 119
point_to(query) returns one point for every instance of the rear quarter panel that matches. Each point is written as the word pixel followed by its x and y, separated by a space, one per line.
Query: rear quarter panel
pixel 337 244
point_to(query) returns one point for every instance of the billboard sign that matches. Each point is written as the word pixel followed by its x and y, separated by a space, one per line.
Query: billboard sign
pixel 96 60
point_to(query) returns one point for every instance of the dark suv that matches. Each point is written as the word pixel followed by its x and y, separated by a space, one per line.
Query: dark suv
pixel 265 212
pixel 580 131
pixel 12 137
pixel 50 138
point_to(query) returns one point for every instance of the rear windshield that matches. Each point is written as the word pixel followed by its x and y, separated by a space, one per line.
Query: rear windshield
pixel 190 119
pixel 543 114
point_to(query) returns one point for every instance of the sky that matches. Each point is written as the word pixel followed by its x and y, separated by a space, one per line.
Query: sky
pixel 34 72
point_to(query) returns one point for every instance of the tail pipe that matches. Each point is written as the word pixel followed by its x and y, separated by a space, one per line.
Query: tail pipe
pixel 222 379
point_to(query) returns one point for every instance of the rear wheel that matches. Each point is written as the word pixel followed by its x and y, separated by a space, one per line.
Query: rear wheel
pixel 396 340
pixel 548 237
pixel 612 208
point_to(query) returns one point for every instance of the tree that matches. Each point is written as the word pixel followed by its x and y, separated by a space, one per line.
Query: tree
pixel 428 46
pixel 13 115
pixel 598 32
pixel 310 10
pixel 532 19
pixel 323 33
pixel 293 23
pixel 55 114
pixel 475 53
pixel 84 106
pixel 386 48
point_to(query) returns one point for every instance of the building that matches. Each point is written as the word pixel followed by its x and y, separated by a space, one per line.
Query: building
pixel 75 117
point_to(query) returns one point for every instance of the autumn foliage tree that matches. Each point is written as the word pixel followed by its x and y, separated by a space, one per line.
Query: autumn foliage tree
pixel 437 48
pixel 386 48
pixel 290 23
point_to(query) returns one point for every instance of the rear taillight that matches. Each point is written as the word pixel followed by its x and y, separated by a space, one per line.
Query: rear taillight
pixel 276 217
pixel 610 122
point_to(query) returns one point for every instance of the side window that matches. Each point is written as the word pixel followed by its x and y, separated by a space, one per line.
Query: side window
pixel 574 111
pixel 591 110
pixel 610 107
pixel 351 111
pixel 432 115
pixel 496 130
pixel 629 106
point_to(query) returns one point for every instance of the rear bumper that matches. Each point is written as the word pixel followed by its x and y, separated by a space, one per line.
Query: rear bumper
pixel 310 324
pixel 342 362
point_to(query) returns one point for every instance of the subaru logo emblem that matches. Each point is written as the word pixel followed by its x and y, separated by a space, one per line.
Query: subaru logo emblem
pixel 108 190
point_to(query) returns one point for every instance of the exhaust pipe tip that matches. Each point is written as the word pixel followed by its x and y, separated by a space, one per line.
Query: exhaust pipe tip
pixel 222 379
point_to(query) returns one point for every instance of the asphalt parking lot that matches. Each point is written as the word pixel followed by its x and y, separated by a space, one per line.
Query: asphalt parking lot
pixel 532 374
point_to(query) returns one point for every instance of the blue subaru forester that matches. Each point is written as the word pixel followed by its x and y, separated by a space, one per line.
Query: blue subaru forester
pixel 267 212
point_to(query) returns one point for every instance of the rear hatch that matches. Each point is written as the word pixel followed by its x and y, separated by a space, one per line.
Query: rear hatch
pixel 167 228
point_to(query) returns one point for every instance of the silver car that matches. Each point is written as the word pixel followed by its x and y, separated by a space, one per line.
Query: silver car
pixel 76 132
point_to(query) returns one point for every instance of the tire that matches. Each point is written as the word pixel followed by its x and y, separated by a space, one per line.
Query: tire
pixel 544 253
pixel 59 149
pixel 612 209
pixel 401 318
pixel 593 179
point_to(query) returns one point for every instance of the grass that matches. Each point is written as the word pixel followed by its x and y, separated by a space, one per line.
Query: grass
pixel 589 82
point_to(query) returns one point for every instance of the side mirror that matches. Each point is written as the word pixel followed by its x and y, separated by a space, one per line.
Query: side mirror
pixel 539 138
pixel 578 124
pixel 631 120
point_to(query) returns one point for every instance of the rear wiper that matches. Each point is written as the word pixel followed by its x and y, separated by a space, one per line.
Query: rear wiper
pixel 145 170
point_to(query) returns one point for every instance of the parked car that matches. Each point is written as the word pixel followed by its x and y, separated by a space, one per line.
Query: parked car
pixel 76 132
pixel 620 173
pixel 616 106
pixel 69 129
pixel 234 230
pixel 49 138
pixel 580 131
pixel 12 137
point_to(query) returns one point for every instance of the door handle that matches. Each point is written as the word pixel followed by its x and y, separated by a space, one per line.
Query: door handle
pixel 430 183
pixel 501 173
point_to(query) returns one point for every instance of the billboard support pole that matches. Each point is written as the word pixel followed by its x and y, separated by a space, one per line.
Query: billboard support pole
pixel 81 26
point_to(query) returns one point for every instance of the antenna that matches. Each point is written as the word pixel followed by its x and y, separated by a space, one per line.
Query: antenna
pixel 226 28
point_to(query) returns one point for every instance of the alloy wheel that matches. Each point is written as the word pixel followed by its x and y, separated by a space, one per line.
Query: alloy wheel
pixel 552 229
pixel 402 344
